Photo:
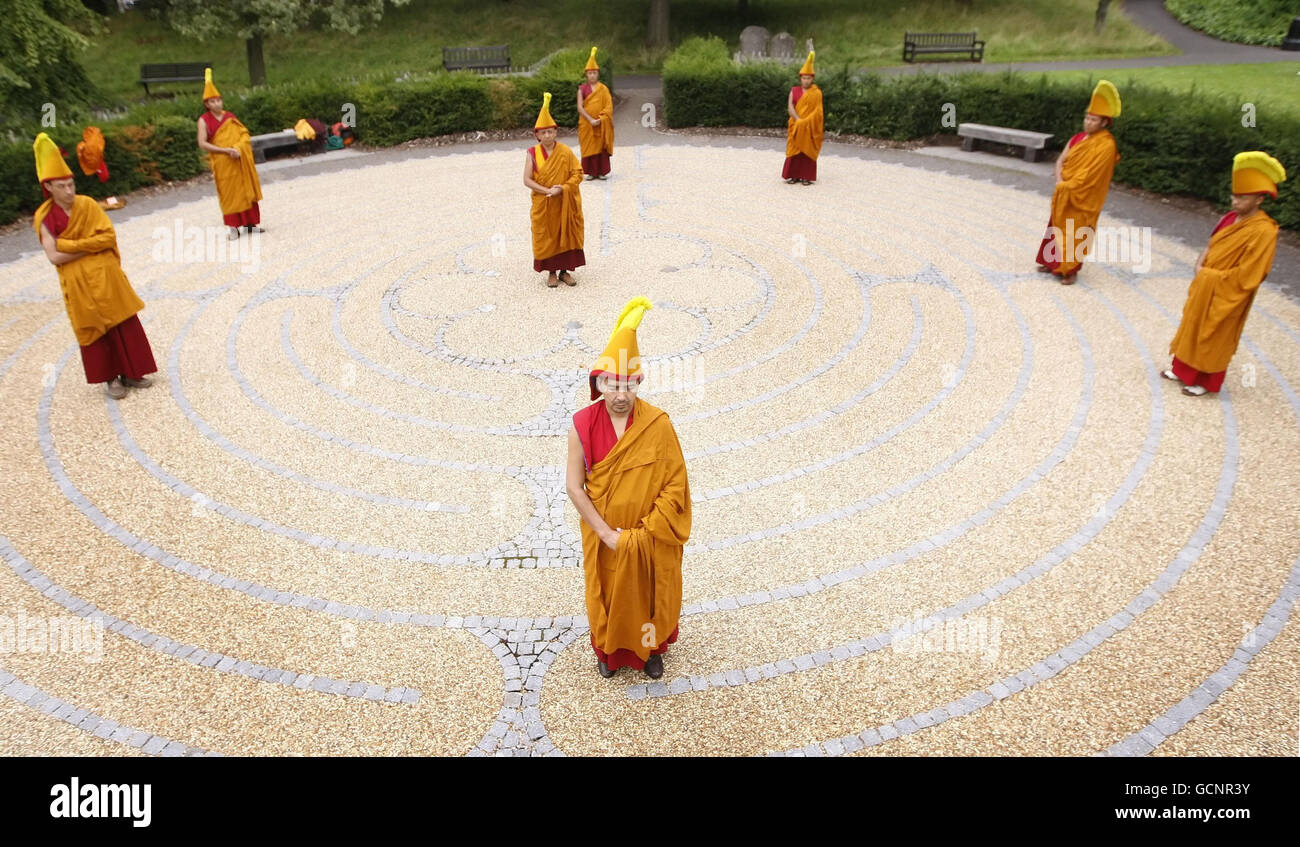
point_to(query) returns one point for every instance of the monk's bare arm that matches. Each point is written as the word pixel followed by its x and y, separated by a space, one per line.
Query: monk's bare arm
pixel 205 144
pixel 581 111
pixel 52 252
pixel 789 106
pixel 575 478
pixel 533 184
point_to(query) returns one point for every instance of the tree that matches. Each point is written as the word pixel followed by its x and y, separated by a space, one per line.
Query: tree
pixel 1102 7
pixel 39 43
pixel 657 33
pixel 252 20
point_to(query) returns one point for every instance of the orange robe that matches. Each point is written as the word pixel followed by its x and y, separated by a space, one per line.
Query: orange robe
pixel 1239 257
pixel 804 136
pixel 597 142
pixel 634 593
pixel 1077 202
pixel 96 294
pixel 558 228
pixel 238 187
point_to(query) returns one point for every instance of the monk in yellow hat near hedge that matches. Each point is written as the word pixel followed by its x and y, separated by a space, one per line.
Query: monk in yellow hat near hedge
pixel 804 129
pixel 230 152
pixel 1083 174
pixel 79 240
pixel 595 122
pixel 627 477
pixel 1227 275
pixel 554 175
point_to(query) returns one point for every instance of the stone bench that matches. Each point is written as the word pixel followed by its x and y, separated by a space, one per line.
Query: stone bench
pixel 273 141
pixel 1032 142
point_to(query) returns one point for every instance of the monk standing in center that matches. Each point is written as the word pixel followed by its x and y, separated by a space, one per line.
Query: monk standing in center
pixel 595 122
pixel 627 477
pixel 554 176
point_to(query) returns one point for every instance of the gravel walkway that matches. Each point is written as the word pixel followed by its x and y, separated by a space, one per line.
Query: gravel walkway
pixel 942 505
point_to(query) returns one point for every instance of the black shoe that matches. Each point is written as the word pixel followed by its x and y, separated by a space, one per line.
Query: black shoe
pixel 654 666
pixel 605 671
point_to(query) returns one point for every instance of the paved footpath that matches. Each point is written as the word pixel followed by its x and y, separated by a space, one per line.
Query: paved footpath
pixel 941 505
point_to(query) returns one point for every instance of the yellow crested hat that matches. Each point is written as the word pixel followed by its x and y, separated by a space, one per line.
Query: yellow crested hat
pixel 209 90
pixel 49 161
pixel 591 61
pixel 1105 100
pixel 544 118
pixel 1256 172
pixel 621 357
pixel 808 64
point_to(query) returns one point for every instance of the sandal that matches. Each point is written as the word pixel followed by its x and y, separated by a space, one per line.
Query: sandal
pixel 1168 374
pixel 1068 279
pixel 1195 390
pixel 552 282
pixel 567 279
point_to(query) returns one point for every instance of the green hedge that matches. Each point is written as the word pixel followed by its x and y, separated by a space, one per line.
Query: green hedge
pixel 155 143
pixel 136 156
pixel 1243 21
pixel 1168 143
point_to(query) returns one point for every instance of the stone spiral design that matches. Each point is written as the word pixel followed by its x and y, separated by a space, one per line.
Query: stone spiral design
pixel 941 505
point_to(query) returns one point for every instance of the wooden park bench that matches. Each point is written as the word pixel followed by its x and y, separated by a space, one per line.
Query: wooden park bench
pixel 480 59
pixel 172 72
pixel 273 141
pixel 1032 142
pixel 925 43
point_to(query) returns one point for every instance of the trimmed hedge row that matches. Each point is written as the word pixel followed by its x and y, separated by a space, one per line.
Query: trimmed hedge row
pixel 155 143
pixel 136 156
pixel 1171 144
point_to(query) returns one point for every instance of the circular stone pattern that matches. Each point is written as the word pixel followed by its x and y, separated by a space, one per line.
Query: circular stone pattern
pixel 942 505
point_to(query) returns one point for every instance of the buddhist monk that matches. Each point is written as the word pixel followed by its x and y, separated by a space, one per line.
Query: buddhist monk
pixel 803 138
pixel 1226 276
pixel 79 240
pixel 595 122
pixel 1083 174
pixel 627 477
pixel 554 176
pixel 230 151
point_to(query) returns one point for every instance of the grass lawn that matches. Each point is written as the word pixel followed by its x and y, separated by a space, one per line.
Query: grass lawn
pixel 409 38
pixel 1272 87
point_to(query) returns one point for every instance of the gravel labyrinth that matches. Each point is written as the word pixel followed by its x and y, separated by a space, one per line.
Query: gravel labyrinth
pixel 942 505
